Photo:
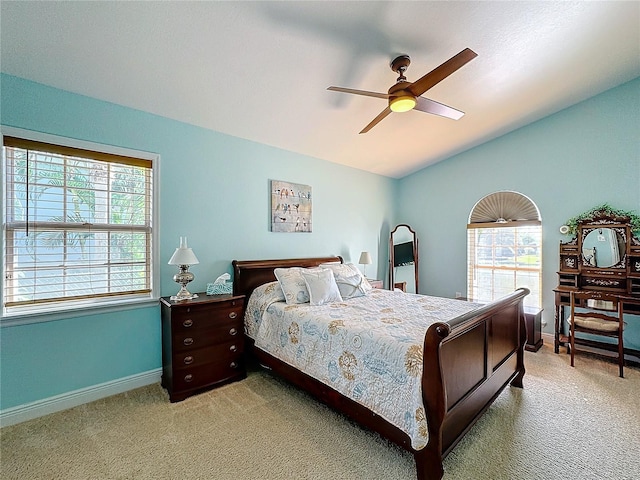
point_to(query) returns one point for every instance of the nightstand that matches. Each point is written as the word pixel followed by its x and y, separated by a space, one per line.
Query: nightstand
pixel 375 283
pixel 533 322
pixel 202 343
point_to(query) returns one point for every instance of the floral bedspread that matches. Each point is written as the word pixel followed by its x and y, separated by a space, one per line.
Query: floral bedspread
pixel 368 348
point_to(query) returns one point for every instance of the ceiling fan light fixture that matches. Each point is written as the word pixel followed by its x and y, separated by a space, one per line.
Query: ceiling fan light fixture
pixel 403 103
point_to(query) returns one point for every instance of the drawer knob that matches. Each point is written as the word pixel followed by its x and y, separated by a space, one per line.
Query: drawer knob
pixel 233 348
pixel 233 331
pixel 188 360
pixel 188 341
pixel 188 322
pixel 233 365
pixel 188 378
pixel 233 315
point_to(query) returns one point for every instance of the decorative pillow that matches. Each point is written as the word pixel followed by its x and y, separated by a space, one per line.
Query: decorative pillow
pixel 351 283
pixel 351 286
pixel 321 286
pixel 292 284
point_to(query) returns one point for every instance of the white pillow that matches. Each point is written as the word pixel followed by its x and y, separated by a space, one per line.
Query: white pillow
pixel 351 282
pixel 292 284
pixel 321 286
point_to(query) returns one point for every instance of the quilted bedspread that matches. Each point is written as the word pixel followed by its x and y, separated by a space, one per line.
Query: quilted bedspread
pixel 368 348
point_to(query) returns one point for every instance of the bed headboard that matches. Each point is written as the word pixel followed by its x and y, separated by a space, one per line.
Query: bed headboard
pixel 249 274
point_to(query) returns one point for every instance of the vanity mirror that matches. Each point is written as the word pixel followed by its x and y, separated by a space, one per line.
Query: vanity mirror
pixel 403 259
pixel 604 252
pixel 603 247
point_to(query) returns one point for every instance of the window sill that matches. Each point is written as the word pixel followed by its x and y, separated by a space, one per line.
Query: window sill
pixel 41 315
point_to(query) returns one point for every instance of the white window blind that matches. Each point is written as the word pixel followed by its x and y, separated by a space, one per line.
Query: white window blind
pixel 78 224
pixel 502 260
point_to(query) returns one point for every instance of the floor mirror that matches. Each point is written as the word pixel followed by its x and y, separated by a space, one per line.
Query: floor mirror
pixel 403 259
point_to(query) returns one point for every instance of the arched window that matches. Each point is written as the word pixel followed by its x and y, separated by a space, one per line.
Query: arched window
pixel 504 248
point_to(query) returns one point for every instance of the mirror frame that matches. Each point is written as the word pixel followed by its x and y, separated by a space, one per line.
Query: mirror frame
pixel 415 256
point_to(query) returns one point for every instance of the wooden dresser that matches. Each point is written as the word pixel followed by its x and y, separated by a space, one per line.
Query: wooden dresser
pixel 202 343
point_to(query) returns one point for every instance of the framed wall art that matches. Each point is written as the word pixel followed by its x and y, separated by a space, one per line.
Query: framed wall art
pixel 290 207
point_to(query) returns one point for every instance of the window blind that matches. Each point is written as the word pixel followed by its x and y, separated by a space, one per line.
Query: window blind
pixel 78 223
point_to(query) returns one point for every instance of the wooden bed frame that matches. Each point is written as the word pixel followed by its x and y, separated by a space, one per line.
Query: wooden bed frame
pixel 467 363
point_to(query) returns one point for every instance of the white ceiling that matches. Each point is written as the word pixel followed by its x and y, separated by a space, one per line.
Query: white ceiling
pixel 259 70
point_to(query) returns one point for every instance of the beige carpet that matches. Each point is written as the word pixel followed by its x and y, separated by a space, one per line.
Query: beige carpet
pixel 581 423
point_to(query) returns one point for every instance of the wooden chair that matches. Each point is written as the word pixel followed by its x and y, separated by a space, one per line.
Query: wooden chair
pixel 587 316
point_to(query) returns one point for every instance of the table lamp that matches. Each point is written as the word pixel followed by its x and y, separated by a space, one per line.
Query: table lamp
pixel 183 257
pixel 365 259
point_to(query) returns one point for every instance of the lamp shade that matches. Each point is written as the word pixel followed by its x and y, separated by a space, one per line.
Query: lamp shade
pixel 365 258
pixel 183 255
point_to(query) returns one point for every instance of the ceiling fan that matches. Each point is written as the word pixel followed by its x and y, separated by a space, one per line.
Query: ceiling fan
pixel 405 96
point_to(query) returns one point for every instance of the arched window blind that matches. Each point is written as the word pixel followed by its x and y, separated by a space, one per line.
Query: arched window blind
pixel 503 208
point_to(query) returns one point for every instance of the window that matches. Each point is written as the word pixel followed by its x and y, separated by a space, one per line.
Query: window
pixel 504 239
pixel 77 226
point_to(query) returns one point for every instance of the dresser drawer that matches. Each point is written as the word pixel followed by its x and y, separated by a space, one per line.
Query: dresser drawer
pixel 200 356
pixel 202 316
pixel 207 337
pixel 207 374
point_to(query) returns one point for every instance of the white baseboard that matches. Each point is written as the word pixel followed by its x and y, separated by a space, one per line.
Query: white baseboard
pixel 57 403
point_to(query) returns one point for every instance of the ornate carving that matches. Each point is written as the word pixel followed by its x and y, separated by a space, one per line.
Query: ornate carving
pixel 570 262
pixel 601 282
pixel 572 242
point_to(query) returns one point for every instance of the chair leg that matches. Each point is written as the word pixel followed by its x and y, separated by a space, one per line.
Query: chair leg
pixel 572 344
pixel 621 355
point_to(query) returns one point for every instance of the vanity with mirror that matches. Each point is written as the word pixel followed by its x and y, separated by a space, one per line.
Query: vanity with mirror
pixel 604 256
pixel 403 259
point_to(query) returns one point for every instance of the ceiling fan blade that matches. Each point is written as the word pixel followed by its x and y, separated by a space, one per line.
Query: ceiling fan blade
pixel 376 120
pixel 430 106
pixel 359 92
pixel 438 74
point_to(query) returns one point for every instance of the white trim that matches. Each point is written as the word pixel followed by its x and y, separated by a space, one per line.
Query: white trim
pixel 35 314
pixel 57 403
pixel 76 143
pixel 85 311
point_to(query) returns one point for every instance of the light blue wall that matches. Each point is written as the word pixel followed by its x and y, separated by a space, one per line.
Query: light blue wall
pixel 567 163
pixel 214 189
